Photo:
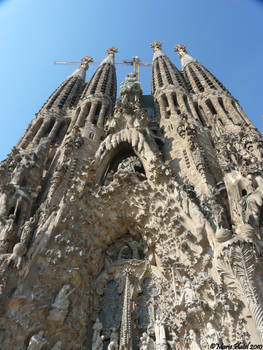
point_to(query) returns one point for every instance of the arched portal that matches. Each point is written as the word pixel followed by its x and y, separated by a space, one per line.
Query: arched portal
pixel 122 158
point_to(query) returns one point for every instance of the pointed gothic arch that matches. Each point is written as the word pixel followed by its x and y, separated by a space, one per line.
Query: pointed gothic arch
pixel 119 154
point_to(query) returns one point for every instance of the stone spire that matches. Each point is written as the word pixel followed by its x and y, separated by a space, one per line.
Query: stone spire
pixel 99 95
pixel 84 66
pixel 184 56
pixel 164 73
pixel 110 58
pixel 215 98
pixel 157 49
pixel 103 82
pixel 51 120
pixel 68 92
pixel 199 77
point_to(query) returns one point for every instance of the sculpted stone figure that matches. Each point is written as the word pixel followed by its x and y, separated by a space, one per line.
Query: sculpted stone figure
pixel 112 346
pixel 146 342
pixel 254 204
pixel 18 251
pixel 37 341
pixel 60 306
pixel 114 338
pixel 7 235
pixel 160 336
pixel 211 334
pixel 188 295
pixel 97 327
pixel 98 345
pixel 194 345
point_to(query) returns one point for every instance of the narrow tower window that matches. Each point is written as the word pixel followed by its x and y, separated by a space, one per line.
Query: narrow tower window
pixel 96 81
pixel 204 75
pixel 62 130
pixel 167 73
pixel 198 112
pixel 186 104
pixel 165 101
pixel 48 127
pixel 159 76
pixel 105 80
pixel 222 104
pixel 196 80
pixel 210 106
pixel 96 114
pixel 113 91
pixel 83 116
pixel 66 93
pixel 175 99
pixel 188 84
pixel 220 121
pixel 153 79
pixel 35 129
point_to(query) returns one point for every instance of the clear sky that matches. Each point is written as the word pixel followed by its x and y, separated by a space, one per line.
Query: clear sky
pixel 224 35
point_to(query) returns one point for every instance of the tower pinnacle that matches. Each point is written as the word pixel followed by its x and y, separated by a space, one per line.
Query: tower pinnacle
pixel 157 48
pixel 110 56
pixel 83 67
pixel 184 56
pixel 85 62
pixel 156 45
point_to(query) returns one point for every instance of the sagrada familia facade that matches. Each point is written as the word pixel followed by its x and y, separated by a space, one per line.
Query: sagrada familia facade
pixel 136 222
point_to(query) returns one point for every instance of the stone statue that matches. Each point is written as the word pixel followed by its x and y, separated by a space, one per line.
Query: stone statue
pixel 254 204
pixel 114 338
pixel 112 346
pixel 194 345
pixel 60 306
pixel 98 345
pixel 146 342
pixel 16 257
pixel 188 296
pixel 37 341
pixel 160 336
pixel 211 334
pixel 143 340
pixel 97 327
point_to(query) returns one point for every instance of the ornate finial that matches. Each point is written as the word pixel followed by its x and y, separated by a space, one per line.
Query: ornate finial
pixel 85 62
pixel 112 50
pixel 181 49
pixel 156 45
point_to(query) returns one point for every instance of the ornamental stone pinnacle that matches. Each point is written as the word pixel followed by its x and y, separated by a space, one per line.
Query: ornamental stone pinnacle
pixel 112 50
pixel 156 45
pixel 133 222
pixel 181 49
pixel 184 56
pixel 85 62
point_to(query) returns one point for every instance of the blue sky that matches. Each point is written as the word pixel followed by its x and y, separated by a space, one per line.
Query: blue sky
pixel 224 35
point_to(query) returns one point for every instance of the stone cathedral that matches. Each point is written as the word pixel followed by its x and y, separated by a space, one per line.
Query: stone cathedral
pixel 134 222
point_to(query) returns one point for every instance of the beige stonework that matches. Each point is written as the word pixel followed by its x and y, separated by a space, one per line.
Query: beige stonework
pixel 123 230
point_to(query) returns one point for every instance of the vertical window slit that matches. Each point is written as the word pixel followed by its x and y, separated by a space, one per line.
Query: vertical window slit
pixel 198 112
pixel 211 107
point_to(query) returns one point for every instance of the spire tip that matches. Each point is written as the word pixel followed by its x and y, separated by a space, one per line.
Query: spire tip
pixel 112 50
pixel 156 45
pixel 85 62
pixel 181 49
